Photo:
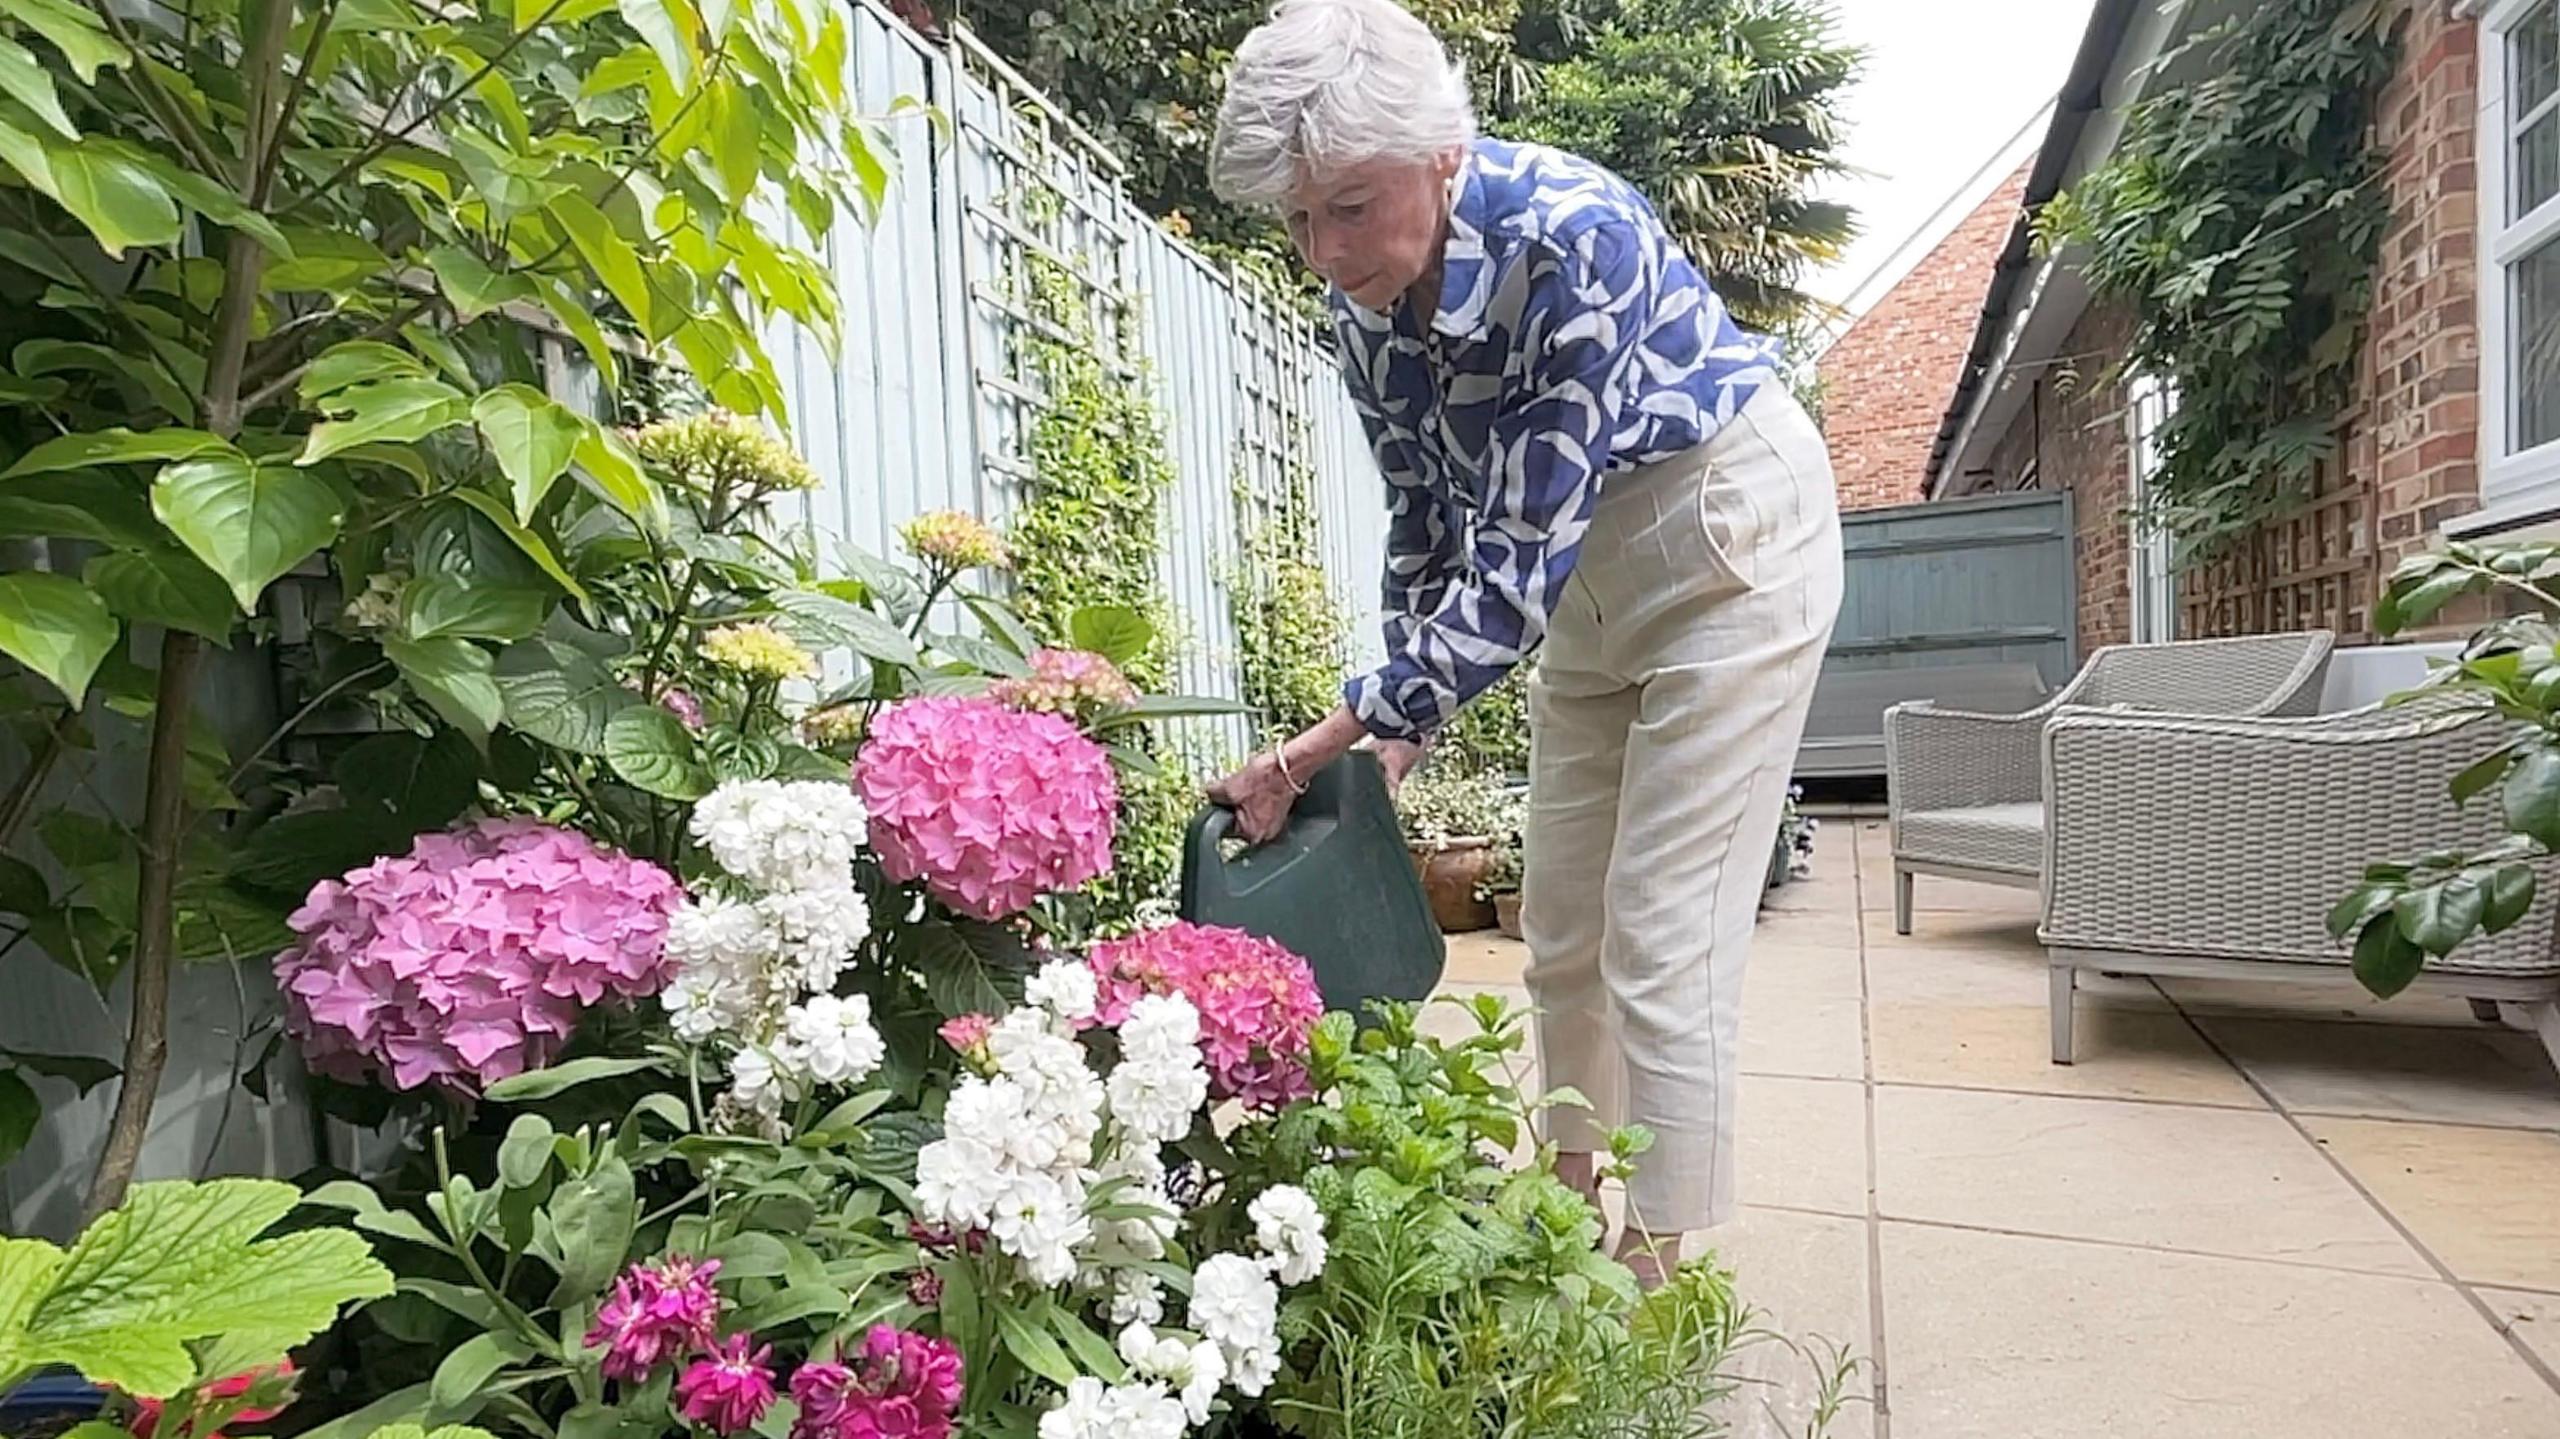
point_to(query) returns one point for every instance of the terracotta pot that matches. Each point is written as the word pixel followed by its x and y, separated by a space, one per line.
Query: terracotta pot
pixel 1450 874
pixel 1506 913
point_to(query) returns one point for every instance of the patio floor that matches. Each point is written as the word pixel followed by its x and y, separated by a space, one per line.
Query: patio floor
pixel 2247 1210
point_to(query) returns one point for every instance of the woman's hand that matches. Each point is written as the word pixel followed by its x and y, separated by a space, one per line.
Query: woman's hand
pixel 1398 758
pixel 1261 797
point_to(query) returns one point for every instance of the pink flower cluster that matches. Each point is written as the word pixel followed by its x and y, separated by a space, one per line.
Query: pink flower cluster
pixel 992 808
pixel 1258 1003
pixel 729 1388
pixel 1076 683
pixel 655 1315
pixel 471 957
pixel 899 1385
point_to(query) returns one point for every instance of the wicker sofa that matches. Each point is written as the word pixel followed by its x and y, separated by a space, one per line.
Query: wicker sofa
pixel 2214 847
pixel 1966 791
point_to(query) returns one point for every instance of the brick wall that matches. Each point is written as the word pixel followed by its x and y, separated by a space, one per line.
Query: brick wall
pixel 1886 381
pixel 2072 429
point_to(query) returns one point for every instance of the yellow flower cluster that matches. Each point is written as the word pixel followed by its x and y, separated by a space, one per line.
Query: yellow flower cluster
pixel 954 540
pixel 717 448
pixel 760 651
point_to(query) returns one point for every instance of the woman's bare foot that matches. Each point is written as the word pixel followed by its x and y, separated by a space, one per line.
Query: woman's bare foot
pixel 1653 1258
pixel 1581 1174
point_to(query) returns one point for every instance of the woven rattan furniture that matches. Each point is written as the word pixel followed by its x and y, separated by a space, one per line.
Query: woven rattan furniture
pixel 1966 791
pixel 2214 848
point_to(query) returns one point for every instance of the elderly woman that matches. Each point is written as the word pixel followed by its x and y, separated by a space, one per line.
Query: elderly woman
pixel 1582 451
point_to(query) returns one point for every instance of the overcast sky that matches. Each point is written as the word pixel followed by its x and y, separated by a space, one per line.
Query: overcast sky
pixel 1947 83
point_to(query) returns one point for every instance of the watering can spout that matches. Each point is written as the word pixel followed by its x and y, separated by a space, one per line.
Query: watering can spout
pixel 1337 888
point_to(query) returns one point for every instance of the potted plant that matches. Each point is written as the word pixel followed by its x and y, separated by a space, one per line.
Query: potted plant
pixel 1500 885
pixel 1451 819
pixel 1792 858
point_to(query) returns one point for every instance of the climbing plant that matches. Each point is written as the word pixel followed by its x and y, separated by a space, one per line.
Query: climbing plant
pixel 2240 217
pixel 1290 628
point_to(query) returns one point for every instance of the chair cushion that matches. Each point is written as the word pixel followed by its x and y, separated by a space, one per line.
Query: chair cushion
pixel 2005 837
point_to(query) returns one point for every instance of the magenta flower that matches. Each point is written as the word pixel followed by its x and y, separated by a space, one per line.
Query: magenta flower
pixel 656 1315
pixel 900 1385
pixel 729 1389
pixel 992 808
pixel 473 956
pixel 683 706
pixel 1258 1003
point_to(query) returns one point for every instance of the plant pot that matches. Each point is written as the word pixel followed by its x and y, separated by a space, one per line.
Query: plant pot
pixel 1450 873
pixel 1506 913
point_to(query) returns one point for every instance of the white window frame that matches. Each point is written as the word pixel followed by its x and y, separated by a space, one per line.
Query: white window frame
pixel 2514 484
pixel 2151 553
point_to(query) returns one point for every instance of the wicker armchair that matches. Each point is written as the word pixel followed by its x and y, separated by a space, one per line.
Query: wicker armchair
pixel 1966 791
pixel 2215 847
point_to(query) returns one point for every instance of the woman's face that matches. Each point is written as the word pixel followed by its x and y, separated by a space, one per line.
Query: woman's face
pixel 1373 229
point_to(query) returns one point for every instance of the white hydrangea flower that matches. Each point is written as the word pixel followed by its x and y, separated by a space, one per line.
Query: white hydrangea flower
pixel 1290 1230
pixel 779 835
pixel 1234 1303
pixel 816 931
pixel 1137 1297
pixel 1066 989
pixel 835 1038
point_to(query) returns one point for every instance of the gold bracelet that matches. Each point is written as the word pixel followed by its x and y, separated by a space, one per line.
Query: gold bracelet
pixel 1280 758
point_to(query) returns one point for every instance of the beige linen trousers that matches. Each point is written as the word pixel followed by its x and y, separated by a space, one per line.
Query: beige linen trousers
pixel 1664 720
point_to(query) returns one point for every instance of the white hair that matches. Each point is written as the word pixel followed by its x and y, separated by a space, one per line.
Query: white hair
pixel 1327 84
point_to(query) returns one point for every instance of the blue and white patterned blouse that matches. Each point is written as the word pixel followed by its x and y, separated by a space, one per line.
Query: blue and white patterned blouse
pixel 1572 339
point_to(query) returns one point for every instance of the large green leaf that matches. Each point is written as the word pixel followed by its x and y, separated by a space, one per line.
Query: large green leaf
pixel 148 376
pixel 471 287
pixel 825 622
pixel 606 252
pixel 249 522
pixel 533 436
pixel 386 411
pixel 325 260
pixel 425 781
pixel 565 1076
pixel 455 677
pixel 55 627
pixel 177 1262
pixel 103 509
pixel 122 203
pixel 560 695
pixel 357 362
pixel 437 605
pixel 79 35
pixel 116 446
pixel 668 26
pixel 592 1217
pixel 653 750
pixel 1115 632
pixel 290 853
pixel 619 477
pixel 524 540
pixel 164 587
pixel 24 79
pixel 19 1112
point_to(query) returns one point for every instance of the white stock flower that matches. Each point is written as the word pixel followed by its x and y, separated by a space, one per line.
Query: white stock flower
pixel 835 1038
pixel 758 1079
pixel 1156 1100
pixel 1196 1370
pixel 1234 1303
pixel 699 1004
pixel 777 834
pixel 1066 989
pixel 816 931
pixel 1040 1221
pixel 1137 1297
pixel 1085 1413
pixel 959 1180
pixel 1290 1230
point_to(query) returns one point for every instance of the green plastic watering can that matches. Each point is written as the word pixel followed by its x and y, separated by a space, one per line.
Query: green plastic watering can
pixel 1338 888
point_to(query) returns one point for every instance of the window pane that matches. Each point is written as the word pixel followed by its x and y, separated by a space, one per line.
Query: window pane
pixel 2534 350
pixel 2537 165
pixel 2533 60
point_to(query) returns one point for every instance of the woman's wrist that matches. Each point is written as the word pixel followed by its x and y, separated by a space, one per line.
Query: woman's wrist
pixel 1320 744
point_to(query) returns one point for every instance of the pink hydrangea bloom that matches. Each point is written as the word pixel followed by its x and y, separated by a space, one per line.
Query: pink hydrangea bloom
pixel 1076 683
pixel 967 1032
pixel 992 808
pixel 1258 1003
pixel 683 706
pixel 729 1389
pixel 471 957
pixel 656 1314
pixel 899 1385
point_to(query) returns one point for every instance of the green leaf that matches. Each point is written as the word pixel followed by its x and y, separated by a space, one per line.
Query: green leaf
pixel 471 286
pixel 1091 1350
pixel 534 438
pixel 455 677
pixel 560 695
pixel 1002 624
pixel 215 201
pixel 177 1262
pixel 82 841
pixel 2511 890
pixel 393 1416
pixel 328 260
pixel 427 782
pixel 75 32
pixel 357 362
pixel 653 750
pixel 2385 961
pixel 152 379
pixel 387 412
pixel 24 79
pixel 524 1156
pixel 2438 917
pixel 19 1113
pixel 2418 603
pixel 980 654
pixel 615 263
pixel 1115 632
pixel 122 203
pixel 619 477
pixel 83 1072
pixel 115 446
pixel 1165 707
pixel 436 605
pixel 164 587
pixel 290 853
pixel 825 622
pixel 2531 796
pixel 565 1076
pixel 461 1377
pixel 2351 914
pixel 736 137
pixel 248 522
pixel 2476 778
pixel 592 1218
pixel 22 888
pixel 525 540
pixel 55 627
pixel 668 29
pixel 101 508
pixel 1033 1346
